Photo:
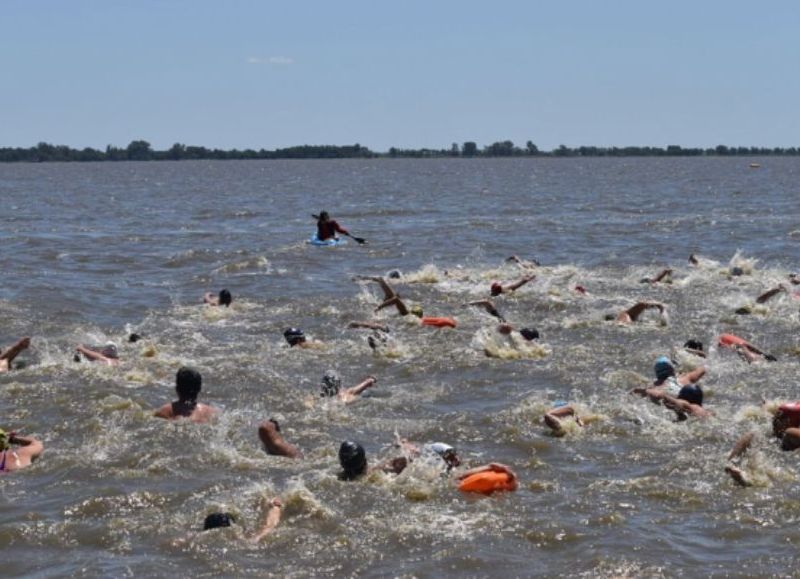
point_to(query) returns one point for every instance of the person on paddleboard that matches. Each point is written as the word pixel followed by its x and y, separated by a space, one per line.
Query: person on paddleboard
pixel 327 228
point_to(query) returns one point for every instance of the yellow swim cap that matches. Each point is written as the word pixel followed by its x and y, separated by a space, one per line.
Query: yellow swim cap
pixel 416 309
pixel 4 443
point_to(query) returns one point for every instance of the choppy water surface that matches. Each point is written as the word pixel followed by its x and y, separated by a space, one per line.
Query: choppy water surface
pixel 93 251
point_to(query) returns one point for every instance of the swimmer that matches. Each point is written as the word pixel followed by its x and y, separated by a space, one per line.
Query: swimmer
pixel 747 351
pixel 632 313
pixel 664 275
pixel 108 354
pixel 271 516
pixel 331 386
pixel 554 418
pixel 667 382
pixel 353 460
pixel 296 337
pixel 488 306
pixel 7 357
pixel 694 347
pixel 269 433
pixel 497 288
pixel 693 260
pixel 11 459
pixel 581 290
pixel 223 299
pixel 188 383
pixel 529 334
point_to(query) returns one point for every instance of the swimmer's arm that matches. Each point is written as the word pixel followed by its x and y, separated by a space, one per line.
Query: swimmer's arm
pixel 393 465
pixel 518 284
pixel 31 446
pixel 742 445
pixel 272 516
pixel 636 310
pixel 359 388
pixel 92 355
pixel 768 294
pixel 14 350
pixel 692 377
pixel 164 412
pixel 700 353
pixel 369 326
pixel 489 307
pixel 661 275
pixel 562 411
pixel 210 299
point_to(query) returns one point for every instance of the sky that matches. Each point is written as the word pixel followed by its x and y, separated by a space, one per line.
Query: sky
pixel 411 74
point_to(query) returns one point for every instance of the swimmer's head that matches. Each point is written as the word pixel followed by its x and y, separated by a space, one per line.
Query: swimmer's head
pixel 663 368
pixel 217 520
pixel 530 334
pixel 691 393
pixel 323 216
pixel 188 383
pixel 416 310
pixel 737 271
pixel 395 274
pixel 5 442
pixel 496 289
pixel 610 317
pixel 294 336
pixel 694 345
pixel 110 350
pixel 330 384
pixel 133 338
pixel 225 298
pixel 353 459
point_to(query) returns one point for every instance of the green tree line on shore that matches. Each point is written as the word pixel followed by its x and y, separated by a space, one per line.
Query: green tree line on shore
pixel 142 151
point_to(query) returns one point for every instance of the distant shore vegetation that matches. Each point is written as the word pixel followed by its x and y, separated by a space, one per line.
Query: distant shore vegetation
pixel 143 151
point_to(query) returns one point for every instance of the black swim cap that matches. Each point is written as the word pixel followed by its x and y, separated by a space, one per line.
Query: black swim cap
pixel 217 520
pixel 188 383
pixel 225 298
pixel 737 271
pixel 530 333
pixel 694 345
pixel 133 338
pixel 294 336
pixel 330 384
pixel 353 459
pixel 691 393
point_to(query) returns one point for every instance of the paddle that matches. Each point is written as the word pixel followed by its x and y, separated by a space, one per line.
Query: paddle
pixel 359 240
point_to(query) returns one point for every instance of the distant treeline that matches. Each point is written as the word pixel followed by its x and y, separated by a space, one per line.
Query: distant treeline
pixel 142 151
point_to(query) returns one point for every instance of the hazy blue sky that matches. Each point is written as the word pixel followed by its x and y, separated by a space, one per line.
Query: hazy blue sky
pixel 408 73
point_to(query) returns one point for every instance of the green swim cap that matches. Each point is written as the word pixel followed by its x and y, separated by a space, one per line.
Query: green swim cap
pixel 4 442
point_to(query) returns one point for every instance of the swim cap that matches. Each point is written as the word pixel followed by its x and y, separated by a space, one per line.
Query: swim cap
pixel 217 520
pixel 737 271
pixel 691 393
pixel 188 383
pixel 353 459
pixel 225 298
pixel 439 447
pixel 330 384
pixel 395 274
pixel 416 309
pixel 133 338
pixel 694 345
pixel 294 336
pixel 4 442
pixel 110 350
pixel 530 333
pixel 663 368
pixel 496 288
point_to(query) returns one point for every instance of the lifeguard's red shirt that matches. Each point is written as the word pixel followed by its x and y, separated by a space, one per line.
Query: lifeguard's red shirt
pixel 329 229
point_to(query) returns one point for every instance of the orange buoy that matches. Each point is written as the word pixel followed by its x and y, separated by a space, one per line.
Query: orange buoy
pixel 487 482
pixel 439 322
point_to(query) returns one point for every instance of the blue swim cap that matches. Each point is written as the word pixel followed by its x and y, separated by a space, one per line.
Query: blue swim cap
pixel 663 368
